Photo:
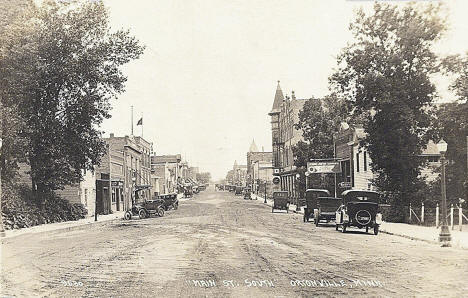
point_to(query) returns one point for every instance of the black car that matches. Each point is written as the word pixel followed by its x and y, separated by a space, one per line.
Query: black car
pixel 146 209
pixel 359 209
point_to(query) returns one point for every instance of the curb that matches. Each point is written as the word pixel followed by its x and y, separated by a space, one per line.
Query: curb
pixel 62 229
pixel 409 237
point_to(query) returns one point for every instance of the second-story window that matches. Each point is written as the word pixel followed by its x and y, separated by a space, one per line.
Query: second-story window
pixel 365 161
pixel 357 162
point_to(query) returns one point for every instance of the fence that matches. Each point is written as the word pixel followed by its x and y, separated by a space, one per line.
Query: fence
pixel 428 216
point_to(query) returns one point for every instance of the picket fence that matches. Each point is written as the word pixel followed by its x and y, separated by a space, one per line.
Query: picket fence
pixel 431 216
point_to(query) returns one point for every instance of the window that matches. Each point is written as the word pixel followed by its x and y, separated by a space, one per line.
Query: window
pixel 357 162
pixel 365 161
pixel 113 195
pixel 86 197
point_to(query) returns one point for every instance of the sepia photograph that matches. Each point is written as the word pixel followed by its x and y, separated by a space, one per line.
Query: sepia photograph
pixel 233 148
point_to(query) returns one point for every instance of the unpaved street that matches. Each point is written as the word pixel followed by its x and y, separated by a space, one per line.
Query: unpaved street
pixel 219 245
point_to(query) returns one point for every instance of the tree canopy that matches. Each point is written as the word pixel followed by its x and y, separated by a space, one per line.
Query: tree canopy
pixel 384 74
pixel 60 67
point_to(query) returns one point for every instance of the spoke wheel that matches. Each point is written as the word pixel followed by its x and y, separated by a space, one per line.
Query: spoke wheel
pixel 142 213
pixel 160 212
pixel 128 215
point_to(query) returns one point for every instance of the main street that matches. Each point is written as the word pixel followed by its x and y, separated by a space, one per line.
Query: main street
pixel 219 245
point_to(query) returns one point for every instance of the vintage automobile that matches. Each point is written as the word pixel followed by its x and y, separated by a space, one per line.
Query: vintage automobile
pixel 239 190
pixel 359 209
pixel 188 191
pixel 247 193
pixel 280 201
pixel 311 201
pixel 326 209
pixel 170 201
pixel 146 209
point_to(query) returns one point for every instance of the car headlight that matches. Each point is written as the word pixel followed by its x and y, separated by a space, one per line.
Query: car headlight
pixel 345 217
pixel 378 218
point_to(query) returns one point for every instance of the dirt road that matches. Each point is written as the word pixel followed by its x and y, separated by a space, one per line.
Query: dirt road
pixel 219 245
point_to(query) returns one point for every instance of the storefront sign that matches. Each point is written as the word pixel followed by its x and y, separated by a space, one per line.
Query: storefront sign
pixel 323 167
pixel 117 184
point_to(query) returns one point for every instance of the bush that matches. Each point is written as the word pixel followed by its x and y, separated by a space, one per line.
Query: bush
pixel 22 208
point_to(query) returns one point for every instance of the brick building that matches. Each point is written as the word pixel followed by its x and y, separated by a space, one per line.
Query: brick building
pixel 284 114
pixel 166 170
pixel 125 165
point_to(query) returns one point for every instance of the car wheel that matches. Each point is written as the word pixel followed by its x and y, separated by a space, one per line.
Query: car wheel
pixel 367 229
pixel 272 208
pixel 128 215
pixel 304 218
pixel 160 212
pixel 176 206
pixel 343 228
pixel 142 213
pixel 316 222
pixel 336 227
pixel 376 230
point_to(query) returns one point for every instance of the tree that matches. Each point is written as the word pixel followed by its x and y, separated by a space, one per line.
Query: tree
pixel 318 120
pixel 60 67
pixel 385 76
pixel 451 124
pixel 204 177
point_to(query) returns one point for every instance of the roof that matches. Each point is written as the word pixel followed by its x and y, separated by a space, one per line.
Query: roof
pixel 253 147
pixel 278 100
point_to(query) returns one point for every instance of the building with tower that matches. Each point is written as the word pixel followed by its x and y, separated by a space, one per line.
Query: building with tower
pixel 284 114
pixel 264 165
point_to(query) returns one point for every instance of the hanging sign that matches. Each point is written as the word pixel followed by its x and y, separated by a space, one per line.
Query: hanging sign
pixel 323 167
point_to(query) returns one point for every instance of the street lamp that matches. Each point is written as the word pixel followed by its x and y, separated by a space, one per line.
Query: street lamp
pixel 444 235
pixel 298 176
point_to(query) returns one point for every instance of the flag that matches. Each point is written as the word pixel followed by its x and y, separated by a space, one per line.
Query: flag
pixel 140 122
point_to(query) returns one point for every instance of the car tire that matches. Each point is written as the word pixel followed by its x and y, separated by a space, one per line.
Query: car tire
pixel 128 215
pixel 304 218
pixel 376 230
pixel 336 227
pixel 272 209
pixel 367 229
pixel 142 214
pixel 343 228
pixel 176 206
pixel 160 212
pixel 316 222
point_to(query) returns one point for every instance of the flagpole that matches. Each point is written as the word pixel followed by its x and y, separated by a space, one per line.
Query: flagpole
pixel 142 124
pixel 132 120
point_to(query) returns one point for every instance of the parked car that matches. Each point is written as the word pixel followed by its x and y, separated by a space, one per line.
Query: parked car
pixel 280 201
pixel 359 209
pixel 326 209
pixel 170 201
pixel 239 190
pixel 146 209
pixel 311 201
pixel 247 193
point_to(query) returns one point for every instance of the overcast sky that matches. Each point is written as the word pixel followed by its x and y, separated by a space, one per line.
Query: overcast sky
pixel 206 81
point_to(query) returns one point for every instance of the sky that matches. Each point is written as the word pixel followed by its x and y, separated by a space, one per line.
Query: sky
pixel 206 82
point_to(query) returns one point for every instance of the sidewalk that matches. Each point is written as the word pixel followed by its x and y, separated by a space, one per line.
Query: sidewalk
pixel 414 232
pixel 66 225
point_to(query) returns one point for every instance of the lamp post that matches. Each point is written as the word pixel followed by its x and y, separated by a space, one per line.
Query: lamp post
pixel 444 236
pixel 298 176
pixel 2 230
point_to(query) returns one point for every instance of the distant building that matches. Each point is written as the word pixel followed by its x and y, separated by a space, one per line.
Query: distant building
pixel 82 193
pixel 125 166
pixel 284 114
pixel 169 170
pixel 263 160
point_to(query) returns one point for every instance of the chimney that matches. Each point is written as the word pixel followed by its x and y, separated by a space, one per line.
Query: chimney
pixel 293 95
pixel 111 135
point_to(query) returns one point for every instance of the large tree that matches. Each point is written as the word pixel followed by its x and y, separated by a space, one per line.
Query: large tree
pixel 60 67
pixel 319 120
pixel 385 75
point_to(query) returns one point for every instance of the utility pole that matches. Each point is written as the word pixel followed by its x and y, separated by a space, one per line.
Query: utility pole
pixel 2 230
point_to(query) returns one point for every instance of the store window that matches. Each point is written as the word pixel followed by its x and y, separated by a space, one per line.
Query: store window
pixel 113 195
